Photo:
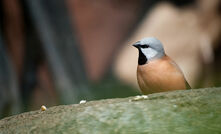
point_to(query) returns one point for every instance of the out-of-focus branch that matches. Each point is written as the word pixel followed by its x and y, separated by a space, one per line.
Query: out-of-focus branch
pixel 52 24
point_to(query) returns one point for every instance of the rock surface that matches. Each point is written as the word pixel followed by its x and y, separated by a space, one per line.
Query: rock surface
pixel 191 111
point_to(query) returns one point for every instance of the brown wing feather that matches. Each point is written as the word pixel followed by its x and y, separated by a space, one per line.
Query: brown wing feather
pixel 160 75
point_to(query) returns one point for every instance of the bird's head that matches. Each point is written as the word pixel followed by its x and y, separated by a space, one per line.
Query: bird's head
pixel 149 49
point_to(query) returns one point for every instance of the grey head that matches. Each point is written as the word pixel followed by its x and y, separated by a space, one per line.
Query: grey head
pixel 149 49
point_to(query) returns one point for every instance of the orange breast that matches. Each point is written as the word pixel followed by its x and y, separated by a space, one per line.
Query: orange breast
pixel 160 75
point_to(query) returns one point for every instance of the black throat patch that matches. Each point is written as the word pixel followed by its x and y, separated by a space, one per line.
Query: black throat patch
pixel 142 58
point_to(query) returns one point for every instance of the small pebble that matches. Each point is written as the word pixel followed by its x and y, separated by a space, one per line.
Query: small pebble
pixel 136 98
pixel 145 96
pixel 43 108
pixel 82 101
pixel 139 97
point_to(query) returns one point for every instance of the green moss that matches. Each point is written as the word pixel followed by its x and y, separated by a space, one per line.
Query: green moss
pixel 192 111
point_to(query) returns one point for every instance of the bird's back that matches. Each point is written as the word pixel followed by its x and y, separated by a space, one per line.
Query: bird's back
pixel 160 75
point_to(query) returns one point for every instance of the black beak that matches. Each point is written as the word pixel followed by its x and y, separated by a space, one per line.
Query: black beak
pixel 137 44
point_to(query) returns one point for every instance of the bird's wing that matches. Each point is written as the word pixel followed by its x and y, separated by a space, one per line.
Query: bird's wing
pixel 187 85
pixel 175 65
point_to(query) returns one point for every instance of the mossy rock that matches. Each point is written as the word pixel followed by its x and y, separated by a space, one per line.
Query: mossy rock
pixel 188 112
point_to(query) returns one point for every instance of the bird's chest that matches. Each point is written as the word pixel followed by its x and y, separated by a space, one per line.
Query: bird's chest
pixel 159 77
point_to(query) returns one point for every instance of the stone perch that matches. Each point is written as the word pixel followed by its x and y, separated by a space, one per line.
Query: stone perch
pixel 195 111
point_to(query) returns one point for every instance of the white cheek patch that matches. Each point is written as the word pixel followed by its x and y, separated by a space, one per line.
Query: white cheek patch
pixel 149 52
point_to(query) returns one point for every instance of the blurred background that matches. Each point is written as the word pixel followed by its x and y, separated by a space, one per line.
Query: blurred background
pixel 56 52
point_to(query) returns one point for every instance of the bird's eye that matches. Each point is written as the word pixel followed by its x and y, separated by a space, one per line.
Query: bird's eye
pixel 144 46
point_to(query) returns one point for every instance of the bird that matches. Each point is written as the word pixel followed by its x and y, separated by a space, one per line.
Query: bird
pixel 157 72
